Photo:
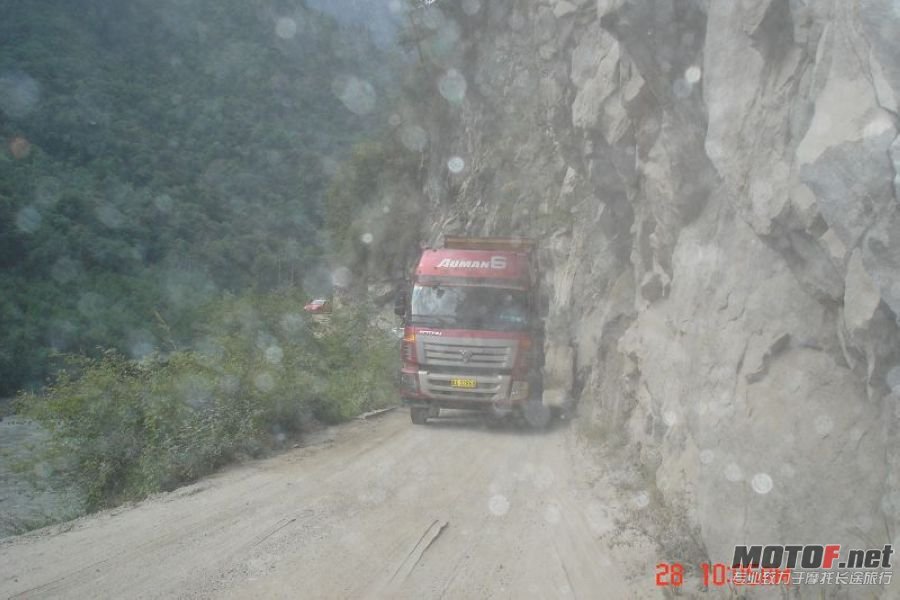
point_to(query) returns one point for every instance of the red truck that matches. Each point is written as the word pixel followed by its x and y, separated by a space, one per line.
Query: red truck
pixel 472 336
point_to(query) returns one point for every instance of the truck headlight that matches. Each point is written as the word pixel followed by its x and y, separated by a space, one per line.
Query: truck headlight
pixel 519 390
pixel 409 382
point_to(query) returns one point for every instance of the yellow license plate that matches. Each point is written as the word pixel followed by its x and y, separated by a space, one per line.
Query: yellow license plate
pixel 463 383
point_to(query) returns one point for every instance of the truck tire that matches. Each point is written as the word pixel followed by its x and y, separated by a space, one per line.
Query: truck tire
pixel 494 420
pixel 418 415
pixel 537 415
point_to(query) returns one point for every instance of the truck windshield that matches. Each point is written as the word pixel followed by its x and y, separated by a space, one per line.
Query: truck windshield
pixel 469 307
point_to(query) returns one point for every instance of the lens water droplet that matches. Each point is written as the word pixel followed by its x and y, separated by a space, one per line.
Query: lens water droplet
pixel 552 514
pixel 456 164
pixel 692 74
pixel 28 220
pixel 414 138
pixel 471 7
pixel 357 95
pixel 823 425
pixel 285 28
pixel 761 483
pixel 341 277
pixel 264 382
pixel 19 147
pixel 498 505
pixel 452 86
pixel 641 500
pixel 274 355
pixel 19 94
pixel 681 88
pixel 733 473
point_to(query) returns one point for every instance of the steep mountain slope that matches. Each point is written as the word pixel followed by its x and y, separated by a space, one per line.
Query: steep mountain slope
pixel 715 187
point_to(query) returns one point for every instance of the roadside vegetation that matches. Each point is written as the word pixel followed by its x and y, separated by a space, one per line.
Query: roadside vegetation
pixel 122 429
pixel 178 178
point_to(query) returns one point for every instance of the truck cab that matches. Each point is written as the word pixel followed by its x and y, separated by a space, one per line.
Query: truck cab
pixel 472 337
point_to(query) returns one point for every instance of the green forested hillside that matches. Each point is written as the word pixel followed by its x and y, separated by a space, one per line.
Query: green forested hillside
pixel 159 153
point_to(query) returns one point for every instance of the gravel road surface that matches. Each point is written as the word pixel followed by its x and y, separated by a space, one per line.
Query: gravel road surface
pixel 374 509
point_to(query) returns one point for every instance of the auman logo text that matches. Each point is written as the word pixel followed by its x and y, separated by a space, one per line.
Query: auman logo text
pixel 496 262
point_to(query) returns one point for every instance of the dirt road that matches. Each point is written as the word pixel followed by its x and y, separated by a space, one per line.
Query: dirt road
pixel 374 509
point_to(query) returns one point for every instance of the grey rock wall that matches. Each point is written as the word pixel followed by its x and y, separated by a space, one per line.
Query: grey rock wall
pixel 715 187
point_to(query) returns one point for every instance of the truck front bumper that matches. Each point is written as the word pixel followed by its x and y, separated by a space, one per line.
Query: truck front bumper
pixel 421 387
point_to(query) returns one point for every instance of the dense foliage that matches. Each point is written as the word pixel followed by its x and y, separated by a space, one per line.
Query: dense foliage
pixel 161 153
pixel 261 373
pixel 177 178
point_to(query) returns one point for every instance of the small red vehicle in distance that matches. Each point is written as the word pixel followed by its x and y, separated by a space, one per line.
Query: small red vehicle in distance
pixel 318 306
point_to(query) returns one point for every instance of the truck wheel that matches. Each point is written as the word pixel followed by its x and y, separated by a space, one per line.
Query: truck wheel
pixel 494 420
pixel 537 415
pixel 418 415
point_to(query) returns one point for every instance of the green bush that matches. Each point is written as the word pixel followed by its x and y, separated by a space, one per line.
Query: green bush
pixel 262 373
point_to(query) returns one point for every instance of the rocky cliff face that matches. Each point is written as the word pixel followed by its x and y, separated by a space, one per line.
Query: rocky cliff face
pixel 716 188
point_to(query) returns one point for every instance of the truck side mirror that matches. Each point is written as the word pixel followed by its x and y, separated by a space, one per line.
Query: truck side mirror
pixel 400 301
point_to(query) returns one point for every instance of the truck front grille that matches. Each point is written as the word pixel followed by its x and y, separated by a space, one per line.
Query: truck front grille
pixel 492 354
